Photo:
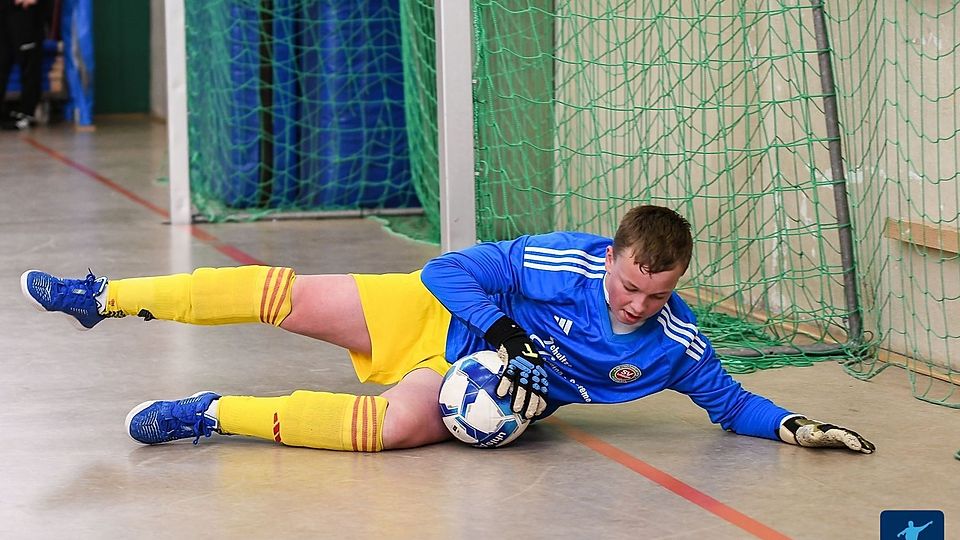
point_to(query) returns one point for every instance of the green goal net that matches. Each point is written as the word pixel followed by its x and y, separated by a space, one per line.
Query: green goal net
pixel 296 106
pixel 896 67
pixel 716 109
pixel 584 110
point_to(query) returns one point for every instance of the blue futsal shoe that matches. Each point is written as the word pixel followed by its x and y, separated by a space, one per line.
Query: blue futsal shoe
pixel 74 297
pixel 155 422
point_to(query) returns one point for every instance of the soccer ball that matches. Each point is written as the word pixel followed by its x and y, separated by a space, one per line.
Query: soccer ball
pixel 469 404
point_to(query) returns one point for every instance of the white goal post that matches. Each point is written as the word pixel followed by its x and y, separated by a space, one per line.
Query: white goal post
pixel 458 206
pixel 178 146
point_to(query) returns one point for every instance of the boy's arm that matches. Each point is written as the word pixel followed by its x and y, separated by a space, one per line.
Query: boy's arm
pixel 728 404
pixel 463 281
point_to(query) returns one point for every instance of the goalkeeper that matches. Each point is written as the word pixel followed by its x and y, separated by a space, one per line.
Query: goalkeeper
pixel 582 319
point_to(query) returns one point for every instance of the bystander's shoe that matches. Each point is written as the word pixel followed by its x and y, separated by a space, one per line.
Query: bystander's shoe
pixel 16 122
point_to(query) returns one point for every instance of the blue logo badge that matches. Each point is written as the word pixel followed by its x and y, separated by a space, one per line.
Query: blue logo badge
pixel 911 525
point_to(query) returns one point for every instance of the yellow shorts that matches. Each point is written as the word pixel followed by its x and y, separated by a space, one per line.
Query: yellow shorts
pixel 407 325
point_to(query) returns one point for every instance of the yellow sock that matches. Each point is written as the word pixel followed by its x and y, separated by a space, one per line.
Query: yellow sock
pixel 253 416
pixel 207 296
pixel 311 419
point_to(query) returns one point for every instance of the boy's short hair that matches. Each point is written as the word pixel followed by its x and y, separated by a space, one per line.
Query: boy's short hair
pixel 659 238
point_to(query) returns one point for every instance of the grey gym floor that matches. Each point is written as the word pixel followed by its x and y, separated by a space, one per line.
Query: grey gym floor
pixel 71 201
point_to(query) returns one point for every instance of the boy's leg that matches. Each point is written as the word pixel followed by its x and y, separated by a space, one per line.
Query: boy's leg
pixel 405 416
pixel 207 296
pixel 325 307
pixel 328 308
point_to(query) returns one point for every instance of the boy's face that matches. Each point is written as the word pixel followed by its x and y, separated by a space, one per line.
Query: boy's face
pixel 636 296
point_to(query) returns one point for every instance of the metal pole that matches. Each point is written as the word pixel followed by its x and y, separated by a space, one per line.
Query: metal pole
pixel 851 293
pixel 458 227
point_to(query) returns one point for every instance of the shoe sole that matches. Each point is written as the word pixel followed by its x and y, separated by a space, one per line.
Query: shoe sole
pixel 39 307
pixel 136 410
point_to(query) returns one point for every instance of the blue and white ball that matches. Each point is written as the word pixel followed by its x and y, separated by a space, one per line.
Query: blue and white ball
pixel 469 404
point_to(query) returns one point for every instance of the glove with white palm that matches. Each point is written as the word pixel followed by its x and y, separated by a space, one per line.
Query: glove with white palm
pixel 810 433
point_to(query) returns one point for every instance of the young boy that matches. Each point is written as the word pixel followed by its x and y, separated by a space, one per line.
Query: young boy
pixel 582 319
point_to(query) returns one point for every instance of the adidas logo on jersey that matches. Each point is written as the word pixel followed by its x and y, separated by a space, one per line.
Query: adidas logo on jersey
pixel 565 324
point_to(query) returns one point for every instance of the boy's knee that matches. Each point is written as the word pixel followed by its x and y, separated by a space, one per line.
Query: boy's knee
pixel 408 426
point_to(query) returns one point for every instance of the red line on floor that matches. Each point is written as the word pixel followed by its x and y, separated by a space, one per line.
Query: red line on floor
pixel 96 176
pixel 682 489
pixel 234 253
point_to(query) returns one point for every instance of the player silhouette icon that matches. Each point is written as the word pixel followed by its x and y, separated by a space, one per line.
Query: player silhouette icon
pixel 911 532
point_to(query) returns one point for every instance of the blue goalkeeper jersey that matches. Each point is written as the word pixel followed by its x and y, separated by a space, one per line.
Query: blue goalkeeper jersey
pixel 552 286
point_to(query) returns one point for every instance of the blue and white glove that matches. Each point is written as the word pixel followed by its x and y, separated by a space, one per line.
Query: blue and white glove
pixel 810 433
pixel 527 382
pixel 524 377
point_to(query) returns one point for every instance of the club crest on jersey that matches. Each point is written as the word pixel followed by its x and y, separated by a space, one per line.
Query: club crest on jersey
pixel 624 373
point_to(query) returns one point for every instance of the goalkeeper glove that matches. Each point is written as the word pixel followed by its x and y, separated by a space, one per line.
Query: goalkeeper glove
pixel 805 432
pixel 524 377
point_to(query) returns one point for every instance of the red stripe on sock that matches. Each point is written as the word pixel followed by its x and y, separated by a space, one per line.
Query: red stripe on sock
pixel 276 428
pixel 374 431
pixel 353 426
pixel 366 402
pixel 273 295
pixel 283 296
pixel 263 297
